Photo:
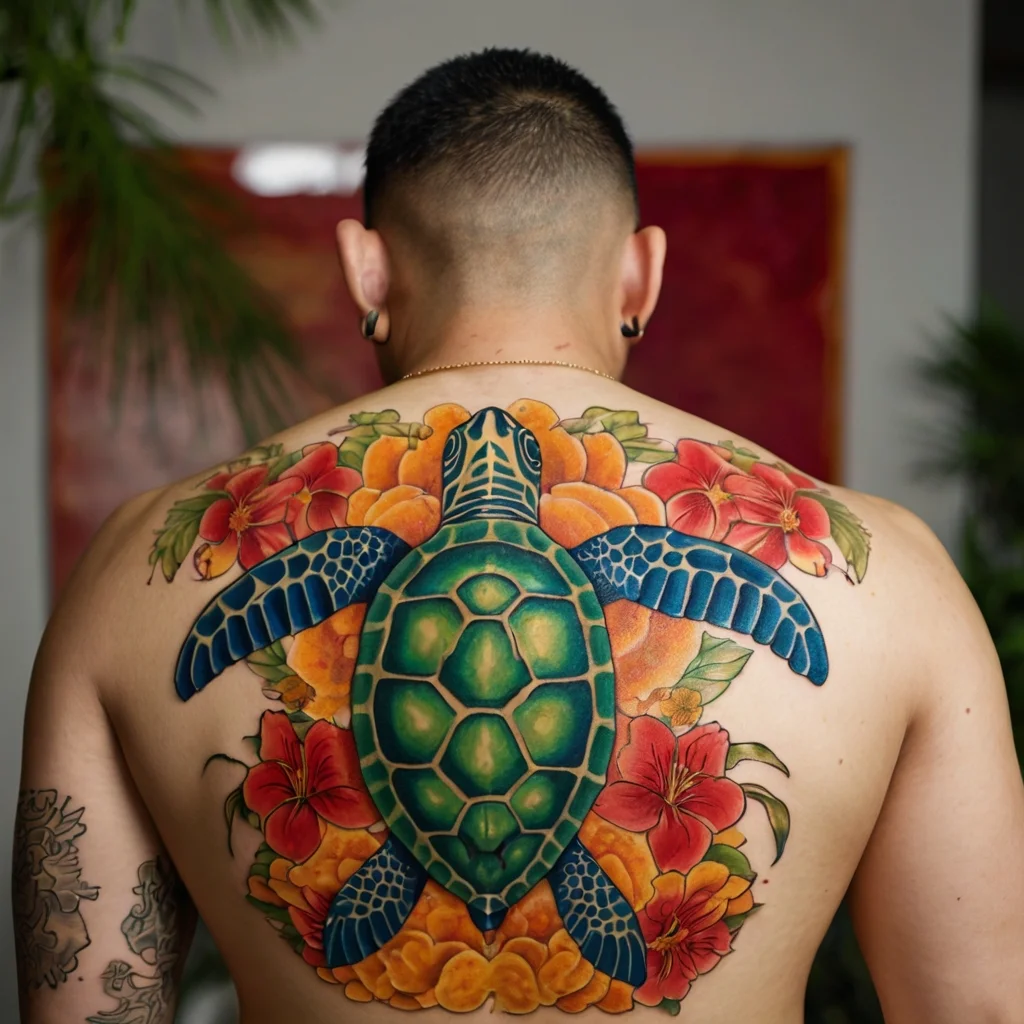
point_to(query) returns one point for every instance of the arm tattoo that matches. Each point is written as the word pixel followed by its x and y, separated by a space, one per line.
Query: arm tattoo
pixel 152 931
pixel 48 888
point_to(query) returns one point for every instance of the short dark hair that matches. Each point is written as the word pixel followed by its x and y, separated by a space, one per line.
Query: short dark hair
pixel 504 121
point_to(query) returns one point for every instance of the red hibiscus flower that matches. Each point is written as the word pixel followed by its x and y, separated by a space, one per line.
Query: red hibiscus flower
pixel 673 788
pixel 693 488
pixel 251 519
pixel 776 524
pixel 310 925
pixel 297 782
pixel 321 502
pixel 683 927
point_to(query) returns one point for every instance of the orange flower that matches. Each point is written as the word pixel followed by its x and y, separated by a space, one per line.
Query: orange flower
pixel 625 857
pixel 524 975
pixel 403 509
pixel 324 656
pixel 684 927
pixel 681 706
pixel 563 457
pixel 340 854
pixel 582 492
pixel 402 484
pixel 650 650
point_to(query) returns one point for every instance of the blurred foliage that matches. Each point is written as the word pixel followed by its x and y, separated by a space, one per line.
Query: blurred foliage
pixel 141 234
pixel 839 989
pixel 979 368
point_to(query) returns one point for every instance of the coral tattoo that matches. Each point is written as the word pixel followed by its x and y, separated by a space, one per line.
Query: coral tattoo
pixel 152 931
pixel 48 890
pixel 485 774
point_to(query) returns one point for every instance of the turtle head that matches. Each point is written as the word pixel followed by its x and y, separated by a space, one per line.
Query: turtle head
pixel 491 470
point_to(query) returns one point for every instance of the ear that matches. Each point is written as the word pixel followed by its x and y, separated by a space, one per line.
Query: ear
pixel 643 261
pixel 364 262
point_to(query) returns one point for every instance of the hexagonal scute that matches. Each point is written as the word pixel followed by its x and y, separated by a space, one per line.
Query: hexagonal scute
pixel 550 638
pixel 422 632
pixel 488 593
pixel 483 758
pixel 488 872
pixel 484 670
pixel 542 797
pixel 427 798
pixel 412 720
pixel 487 825
pixel 555 723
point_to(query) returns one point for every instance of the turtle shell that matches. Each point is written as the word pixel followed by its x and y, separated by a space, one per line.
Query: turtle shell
pixel 483 707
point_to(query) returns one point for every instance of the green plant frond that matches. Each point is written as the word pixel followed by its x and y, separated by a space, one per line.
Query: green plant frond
pixel 160 80
pixel 153 273
pixel 977 368
pixel 276 20
pixel 16 145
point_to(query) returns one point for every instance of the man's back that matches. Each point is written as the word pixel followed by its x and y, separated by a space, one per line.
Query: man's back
pixel 543 703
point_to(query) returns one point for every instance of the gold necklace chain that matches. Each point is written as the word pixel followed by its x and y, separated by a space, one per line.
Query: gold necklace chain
pixel 508 362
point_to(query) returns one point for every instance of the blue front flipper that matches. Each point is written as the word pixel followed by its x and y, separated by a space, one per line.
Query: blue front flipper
pixel 690 578
pixel 597 916
pixel 371 907
pixel 286 593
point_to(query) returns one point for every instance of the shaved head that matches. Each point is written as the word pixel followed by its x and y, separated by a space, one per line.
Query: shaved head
pixel 500 171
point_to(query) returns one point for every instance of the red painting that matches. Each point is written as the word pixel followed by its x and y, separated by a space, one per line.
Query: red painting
pixel 749 321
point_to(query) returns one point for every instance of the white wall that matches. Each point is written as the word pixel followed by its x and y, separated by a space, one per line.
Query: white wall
pixel 894 79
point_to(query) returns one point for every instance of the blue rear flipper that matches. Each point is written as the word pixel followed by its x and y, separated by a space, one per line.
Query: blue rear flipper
pixel 597 916
pixel 286 593
pixel 690 578
pixel 371 907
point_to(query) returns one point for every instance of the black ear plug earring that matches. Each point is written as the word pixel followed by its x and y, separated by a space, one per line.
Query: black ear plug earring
pixel 632 330
pixel 369 327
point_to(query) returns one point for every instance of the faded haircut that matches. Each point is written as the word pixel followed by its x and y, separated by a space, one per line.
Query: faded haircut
pixel 494 146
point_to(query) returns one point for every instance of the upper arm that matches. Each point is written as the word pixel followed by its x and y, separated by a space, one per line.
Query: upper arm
pixel 98 909
pixel 938 899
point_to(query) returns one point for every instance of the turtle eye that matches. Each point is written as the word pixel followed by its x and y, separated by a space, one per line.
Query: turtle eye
pixel 451 447
pixel 531 450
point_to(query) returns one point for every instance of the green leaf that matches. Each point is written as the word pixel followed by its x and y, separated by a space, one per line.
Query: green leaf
pixel 364 428
pixel 272 912
pixel 291 935
pixel 281 463
pixel 301 723
pixel 200 503
pixel 622 420
pixel 778 814
pixel 718 662
pixel 260 870
pixel 742 458
pixel 734 921
pixel 736 450
pixel 625 426
pixel 852 537
pixel 233 806
pixel 648 456
pixel 752 752
pixel 181 527
pixel 735 860
pixel 670 1006
pixel 253 743
pixel 370 418
pixel 227 758
pixel 270 663
pixel 626 434
pixel 265 855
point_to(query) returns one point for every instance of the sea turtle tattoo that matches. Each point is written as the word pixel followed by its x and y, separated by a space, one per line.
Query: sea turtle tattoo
pixel 483 700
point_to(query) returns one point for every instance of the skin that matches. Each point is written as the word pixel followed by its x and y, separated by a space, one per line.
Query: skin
pixel 904 785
